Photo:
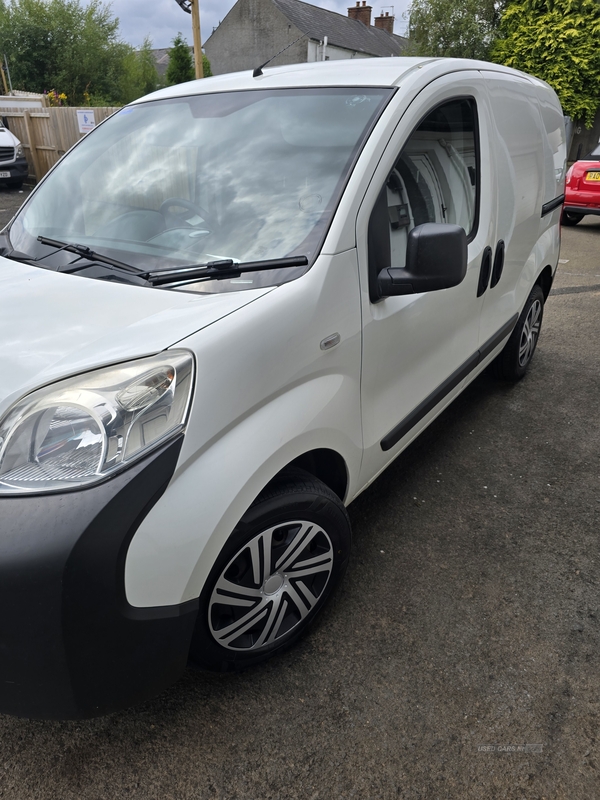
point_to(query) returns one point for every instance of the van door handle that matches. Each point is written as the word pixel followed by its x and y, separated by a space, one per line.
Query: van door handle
pixel 498 263
pixel 484 272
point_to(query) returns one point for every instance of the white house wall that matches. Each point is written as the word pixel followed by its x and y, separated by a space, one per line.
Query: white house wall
pixel 333 53
pixel 252 32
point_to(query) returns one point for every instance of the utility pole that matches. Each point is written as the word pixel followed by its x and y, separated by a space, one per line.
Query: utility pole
pixel 193 7
pixel 197 38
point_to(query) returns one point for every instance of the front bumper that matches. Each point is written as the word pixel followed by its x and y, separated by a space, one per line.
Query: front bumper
pixel 71 646
pixel 18 169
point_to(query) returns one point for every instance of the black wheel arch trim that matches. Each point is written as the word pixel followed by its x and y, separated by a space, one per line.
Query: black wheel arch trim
pixel 430 402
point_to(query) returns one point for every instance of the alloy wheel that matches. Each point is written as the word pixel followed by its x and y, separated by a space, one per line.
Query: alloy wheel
pixel 270 585
pixel 530 333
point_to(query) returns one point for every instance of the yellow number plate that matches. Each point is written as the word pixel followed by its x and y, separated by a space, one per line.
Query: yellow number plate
pixel 593 176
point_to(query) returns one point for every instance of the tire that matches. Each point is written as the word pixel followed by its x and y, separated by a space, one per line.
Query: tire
pixel 18 184
pixel 513 361
pixel 570 218
pixel 272 608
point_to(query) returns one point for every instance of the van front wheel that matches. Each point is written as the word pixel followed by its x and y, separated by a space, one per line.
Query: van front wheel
pixel 274 575
pixel 513 361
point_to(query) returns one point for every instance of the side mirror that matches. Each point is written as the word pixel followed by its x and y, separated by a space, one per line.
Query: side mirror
pixel 436 258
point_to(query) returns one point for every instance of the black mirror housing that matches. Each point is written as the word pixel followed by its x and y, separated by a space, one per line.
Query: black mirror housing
pixel 436 258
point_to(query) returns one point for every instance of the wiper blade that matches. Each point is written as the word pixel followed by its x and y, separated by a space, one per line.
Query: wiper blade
pixel 85 252
pixel 226 268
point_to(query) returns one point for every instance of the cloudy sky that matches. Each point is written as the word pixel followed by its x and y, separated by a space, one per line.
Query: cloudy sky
pixel 162 19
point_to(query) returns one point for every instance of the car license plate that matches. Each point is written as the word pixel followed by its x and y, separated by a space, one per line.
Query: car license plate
pixel 7 175
pixel 591 176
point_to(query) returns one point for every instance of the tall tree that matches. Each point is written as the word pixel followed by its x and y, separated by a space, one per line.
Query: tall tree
pixel 139 76
pixel 181 66
pixel 558 41
pixel 454 28
pixel 59 44
pixel 62 45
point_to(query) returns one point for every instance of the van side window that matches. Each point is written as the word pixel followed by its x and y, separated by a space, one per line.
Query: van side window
pixel 435 179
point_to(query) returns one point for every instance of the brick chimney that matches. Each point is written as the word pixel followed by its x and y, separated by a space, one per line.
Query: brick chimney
pixel 361 12
pixel 385 22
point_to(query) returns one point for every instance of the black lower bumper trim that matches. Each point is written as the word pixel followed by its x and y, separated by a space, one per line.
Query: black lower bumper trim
pixel 70 644
pixel 19 169
pixel 581 210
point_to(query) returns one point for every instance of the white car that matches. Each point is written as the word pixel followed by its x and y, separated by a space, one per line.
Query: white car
pixel 222 315
pixel 13 164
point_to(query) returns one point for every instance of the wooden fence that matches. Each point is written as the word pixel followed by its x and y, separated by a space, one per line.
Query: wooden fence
pixel 46 134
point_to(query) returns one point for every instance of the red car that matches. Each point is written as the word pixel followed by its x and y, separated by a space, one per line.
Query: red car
pixel 582 191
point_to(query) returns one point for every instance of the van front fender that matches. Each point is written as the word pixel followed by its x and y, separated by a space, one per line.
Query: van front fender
pixel 176 545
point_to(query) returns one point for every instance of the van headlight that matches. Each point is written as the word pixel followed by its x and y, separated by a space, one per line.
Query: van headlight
pixel 19 151
pixel 81 430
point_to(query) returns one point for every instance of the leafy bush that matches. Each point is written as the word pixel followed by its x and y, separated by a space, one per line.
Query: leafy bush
pixel 452 28
pixel 558 41
pixel 60 43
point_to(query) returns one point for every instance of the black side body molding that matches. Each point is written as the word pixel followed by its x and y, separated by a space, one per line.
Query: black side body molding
pixel 497 338
pixel 552 204
pixel 397 433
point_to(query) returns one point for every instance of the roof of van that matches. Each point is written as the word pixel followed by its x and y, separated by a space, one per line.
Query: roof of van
pixel 344 72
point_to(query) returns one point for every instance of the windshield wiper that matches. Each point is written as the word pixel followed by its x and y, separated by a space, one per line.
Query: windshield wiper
pixel 85 252
pixel 191 273
pixel 219 269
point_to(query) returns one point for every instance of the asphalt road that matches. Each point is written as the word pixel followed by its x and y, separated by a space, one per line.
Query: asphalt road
pixel 469 616
pixel 10 201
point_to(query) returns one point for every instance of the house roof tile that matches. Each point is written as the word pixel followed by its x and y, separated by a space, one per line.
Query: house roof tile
pixel 351 34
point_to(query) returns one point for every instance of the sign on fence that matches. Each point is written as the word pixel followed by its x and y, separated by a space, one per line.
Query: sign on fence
pixel 86 121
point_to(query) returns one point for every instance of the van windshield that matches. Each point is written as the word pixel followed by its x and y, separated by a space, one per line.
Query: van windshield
pixel 247 176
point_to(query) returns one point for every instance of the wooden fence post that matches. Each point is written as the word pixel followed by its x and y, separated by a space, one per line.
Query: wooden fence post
pixel 33 146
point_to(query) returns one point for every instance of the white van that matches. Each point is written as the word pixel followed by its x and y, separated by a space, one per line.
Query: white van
pixel 13 164
pixel 222 315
